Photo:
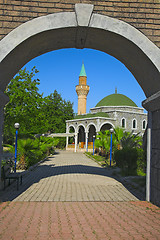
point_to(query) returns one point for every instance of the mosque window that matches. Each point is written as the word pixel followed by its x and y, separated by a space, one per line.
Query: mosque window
pixel 144 124
pixel 123 122
pixel 134 124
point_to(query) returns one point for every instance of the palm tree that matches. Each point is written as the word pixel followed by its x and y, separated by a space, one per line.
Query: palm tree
pixel 103 141
pixel 129 140
pixel 117 136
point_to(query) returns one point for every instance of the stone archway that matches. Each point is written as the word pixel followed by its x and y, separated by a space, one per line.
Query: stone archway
pixel 106 126
pixel 91 132
pixel 81 136
pixel 86 29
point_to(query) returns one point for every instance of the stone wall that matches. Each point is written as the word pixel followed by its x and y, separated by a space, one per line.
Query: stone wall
pixel 129 121
pixel 144 15
pixel 155 163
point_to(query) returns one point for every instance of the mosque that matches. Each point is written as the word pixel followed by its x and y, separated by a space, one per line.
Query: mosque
pixel 115 110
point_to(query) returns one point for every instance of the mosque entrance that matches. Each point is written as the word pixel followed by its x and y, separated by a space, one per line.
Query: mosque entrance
pixel 86 29
pixel 81 137
pixel 106 126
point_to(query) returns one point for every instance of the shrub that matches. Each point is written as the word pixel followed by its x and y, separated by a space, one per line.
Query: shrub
pixel 31 151
pixel 60 142
pixel 126 159
pixel 141 161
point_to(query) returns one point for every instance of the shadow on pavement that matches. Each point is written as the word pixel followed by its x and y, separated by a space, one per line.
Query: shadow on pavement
pixel 45 171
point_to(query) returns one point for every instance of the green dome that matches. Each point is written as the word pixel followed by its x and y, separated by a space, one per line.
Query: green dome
pixel 116 100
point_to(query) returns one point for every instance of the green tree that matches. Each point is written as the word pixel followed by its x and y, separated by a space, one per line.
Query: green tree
pixel 103 141
pixel 35 113
pixel 117 136
pixel 24 105
pixel 57 111
pixel 129 140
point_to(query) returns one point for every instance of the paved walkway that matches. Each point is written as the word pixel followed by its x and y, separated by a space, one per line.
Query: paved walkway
pixel 79 221
pixel 66 198
pixel 69 177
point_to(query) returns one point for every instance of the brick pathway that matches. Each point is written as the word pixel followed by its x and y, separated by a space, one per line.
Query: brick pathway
pixel 69 177
pixel 66 198
pixel 79 220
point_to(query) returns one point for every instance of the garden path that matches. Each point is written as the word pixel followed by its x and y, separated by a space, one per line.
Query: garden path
pixel 68 176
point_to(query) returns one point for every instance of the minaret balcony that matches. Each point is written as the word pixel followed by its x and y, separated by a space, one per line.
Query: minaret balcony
pixel 82 89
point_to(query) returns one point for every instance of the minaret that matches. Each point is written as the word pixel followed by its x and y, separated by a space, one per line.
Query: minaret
pixel 82 91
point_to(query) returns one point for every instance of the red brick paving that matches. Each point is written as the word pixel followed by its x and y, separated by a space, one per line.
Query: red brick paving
pixel 79 220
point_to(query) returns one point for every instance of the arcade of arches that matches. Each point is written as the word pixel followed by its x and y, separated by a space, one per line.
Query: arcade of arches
pixel 115 32
pixel 84 135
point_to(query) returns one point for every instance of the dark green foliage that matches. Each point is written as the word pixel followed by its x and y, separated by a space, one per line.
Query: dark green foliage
pixel 132 161
pixel 56 111
pixel 24 105
pixel 60 142
pixel 130 157
pixel 126 159
pixel 130 140
pixel 103 141
pixel 141 161
pixel 35 113
pixel 31 151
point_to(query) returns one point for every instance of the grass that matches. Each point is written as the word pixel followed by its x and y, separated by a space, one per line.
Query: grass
pixel 101 160
pixel 106 163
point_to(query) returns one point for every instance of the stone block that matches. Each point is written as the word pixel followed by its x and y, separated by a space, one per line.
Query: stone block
pixel 121 9
pixel 155 158
pixel 154 177
pixel 158 181
pixel 156 138
pixel 83 14
pixel 155 196
pixel 156 119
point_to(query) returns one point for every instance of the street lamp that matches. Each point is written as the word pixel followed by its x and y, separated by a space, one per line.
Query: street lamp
pixel 93 142
pixel 16 125
pixel 111 131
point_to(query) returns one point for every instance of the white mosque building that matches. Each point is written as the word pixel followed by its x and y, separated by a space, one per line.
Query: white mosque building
pixel 115 110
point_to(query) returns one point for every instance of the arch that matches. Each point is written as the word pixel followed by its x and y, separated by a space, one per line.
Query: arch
pixel 134 124
pixel 71 126
pixel 91 123
pixel 123 122
pixel 81 136
pixel 85 29
pixel 91 132
pixel 144 124
pixel 109 124
pixel 81 124
pixel 61 30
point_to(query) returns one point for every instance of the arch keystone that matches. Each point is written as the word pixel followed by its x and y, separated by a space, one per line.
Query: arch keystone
pixel 83 16
pixel 83 13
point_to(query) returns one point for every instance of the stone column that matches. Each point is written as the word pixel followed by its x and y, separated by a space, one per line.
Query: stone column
pixel 3 100
pixel 148 176
pixel 86 141
pixel 66 142
pixel 152 104
pixel 67 131
pixel 76 135
pixel 98 125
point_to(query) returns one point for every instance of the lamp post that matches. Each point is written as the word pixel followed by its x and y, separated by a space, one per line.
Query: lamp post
pixel 16 125
pixel 93 142
pixel 111 131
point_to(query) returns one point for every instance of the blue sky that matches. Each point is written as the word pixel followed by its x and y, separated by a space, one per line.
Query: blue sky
pixel 60 70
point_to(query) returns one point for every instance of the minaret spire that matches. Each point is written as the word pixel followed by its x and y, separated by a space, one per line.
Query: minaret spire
pixel 83 72
pixel 82 91
pixel 115 90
